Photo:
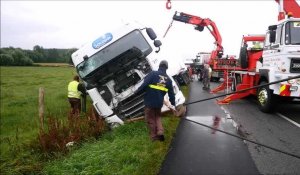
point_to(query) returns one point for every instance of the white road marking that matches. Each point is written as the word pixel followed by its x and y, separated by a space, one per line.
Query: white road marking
pixel 284 117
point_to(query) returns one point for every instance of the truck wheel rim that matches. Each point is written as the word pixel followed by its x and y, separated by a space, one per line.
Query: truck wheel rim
pixel 263 96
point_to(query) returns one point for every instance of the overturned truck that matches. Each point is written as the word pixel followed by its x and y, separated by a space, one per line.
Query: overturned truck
pixel 114 65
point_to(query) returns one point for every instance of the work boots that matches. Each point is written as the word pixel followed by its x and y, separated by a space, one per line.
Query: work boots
pixel 159 138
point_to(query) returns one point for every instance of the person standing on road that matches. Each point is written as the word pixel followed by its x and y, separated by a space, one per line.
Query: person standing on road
pixel 209 75
pixel 206 79
pixel 156 84
pixel 190 71
pixel 74 96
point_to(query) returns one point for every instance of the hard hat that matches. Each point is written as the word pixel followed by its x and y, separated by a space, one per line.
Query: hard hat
pixel 164 64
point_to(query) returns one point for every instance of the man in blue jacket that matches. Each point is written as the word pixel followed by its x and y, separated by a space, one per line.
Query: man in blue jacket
pixel 156 84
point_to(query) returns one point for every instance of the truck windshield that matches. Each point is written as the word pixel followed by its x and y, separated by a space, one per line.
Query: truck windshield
pixel 134 39
pixel 292 33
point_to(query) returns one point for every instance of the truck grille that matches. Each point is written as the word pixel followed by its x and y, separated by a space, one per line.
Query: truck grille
pixel 131 107
pixel 295 65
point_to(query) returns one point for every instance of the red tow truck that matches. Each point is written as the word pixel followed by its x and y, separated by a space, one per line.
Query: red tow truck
pixel 278 59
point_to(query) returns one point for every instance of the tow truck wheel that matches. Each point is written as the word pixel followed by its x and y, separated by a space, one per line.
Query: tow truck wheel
pixel 244 57
pixel 265 98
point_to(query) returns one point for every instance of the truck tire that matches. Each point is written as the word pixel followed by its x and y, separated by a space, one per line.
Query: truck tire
pixel 265 98
pixel 244 57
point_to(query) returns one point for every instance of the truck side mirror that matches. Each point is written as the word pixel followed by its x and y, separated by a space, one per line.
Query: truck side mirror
pixel 273 27
pixel 157 43
pixel 151 33
pixel 272 38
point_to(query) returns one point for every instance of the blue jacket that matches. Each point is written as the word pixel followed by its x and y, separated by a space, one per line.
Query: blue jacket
pixel 157 84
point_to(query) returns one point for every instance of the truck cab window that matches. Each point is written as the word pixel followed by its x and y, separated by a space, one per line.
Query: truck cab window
pixel 292 33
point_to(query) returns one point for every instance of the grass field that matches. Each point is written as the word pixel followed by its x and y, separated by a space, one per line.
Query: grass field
pixel 125 150
pixel 19 106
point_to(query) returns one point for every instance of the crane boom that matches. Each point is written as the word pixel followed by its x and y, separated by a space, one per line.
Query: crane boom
pixel 200 23
pixel 286 7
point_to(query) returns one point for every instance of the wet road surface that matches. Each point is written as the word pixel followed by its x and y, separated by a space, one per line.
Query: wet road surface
pixel 269 129
pixel 200 150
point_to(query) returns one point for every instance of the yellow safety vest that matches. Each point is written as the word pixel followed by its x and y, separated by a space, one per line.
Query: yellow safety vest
pixel 72 90
pixel 158 87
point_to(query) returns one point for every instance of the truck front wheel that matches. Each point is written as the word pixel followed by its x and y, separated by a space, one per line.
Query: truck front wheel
pixel 265 98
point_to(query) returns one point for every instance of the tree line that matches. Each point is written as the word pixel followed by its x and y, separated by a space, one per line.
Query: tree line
pixel 18 57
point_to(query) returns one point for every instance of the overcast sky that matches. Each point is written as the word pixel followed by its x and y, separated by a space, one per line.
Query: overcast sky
pixel 67 24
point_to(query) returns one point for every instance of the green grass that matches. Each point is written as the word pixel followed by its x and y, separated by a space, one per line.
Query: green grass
pixel 125 150
pixel 19 109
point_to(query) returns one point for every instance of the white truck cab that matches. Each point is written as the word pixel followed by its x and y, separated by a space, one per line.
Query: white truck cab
pixel 280 60
pixel 114 65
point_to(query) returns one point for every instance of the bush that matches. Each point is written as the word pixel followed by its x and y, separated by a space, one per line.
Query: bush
pixel 6 60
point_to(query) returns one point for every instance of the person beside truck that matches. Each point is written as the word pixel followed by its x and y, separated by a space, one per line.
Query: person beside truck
pixel 156 84
pixel 206 77
pixel 75 90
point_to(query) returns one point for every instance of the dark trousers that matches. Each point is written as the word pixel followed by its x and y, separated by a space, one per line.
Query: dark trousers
pixel 206 82
pixel 75 105
pixel 153 119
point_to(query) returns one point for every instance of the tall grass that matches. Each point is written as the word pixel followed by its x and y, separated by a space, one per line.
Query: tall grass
pixel 125 150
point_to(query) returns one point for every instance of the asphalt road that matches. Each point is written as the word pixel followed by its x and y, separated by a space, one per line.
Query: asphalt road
pixel 196 149
pixel 290 110
pixel 269 129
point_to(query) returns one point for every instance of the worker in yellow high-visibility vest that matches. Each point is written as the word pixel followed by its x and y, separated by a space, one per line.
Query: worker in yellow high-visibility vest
pixel 74 96
pixel 256 45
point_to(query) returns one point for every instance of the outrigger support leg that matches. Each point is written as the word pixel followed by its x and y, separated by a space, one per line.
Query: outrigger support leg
pixel 226 83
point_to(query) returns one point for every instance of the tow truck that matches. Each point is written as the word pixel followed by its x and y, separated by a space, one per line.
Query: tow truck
pixel 114 65
pixel 278 59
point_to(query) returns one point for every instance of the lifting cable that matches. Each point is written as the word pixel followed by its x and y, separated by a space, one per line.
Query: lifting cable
pixel 243 138
pixel 170 25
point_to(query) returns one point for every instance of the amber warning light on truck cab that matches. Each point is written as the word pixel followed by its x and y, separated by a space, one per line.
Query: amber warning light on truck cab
pixel 102 40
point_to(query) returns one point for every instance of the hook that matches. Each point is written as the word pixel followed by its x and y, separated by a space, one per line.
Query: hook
pixel 168 4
